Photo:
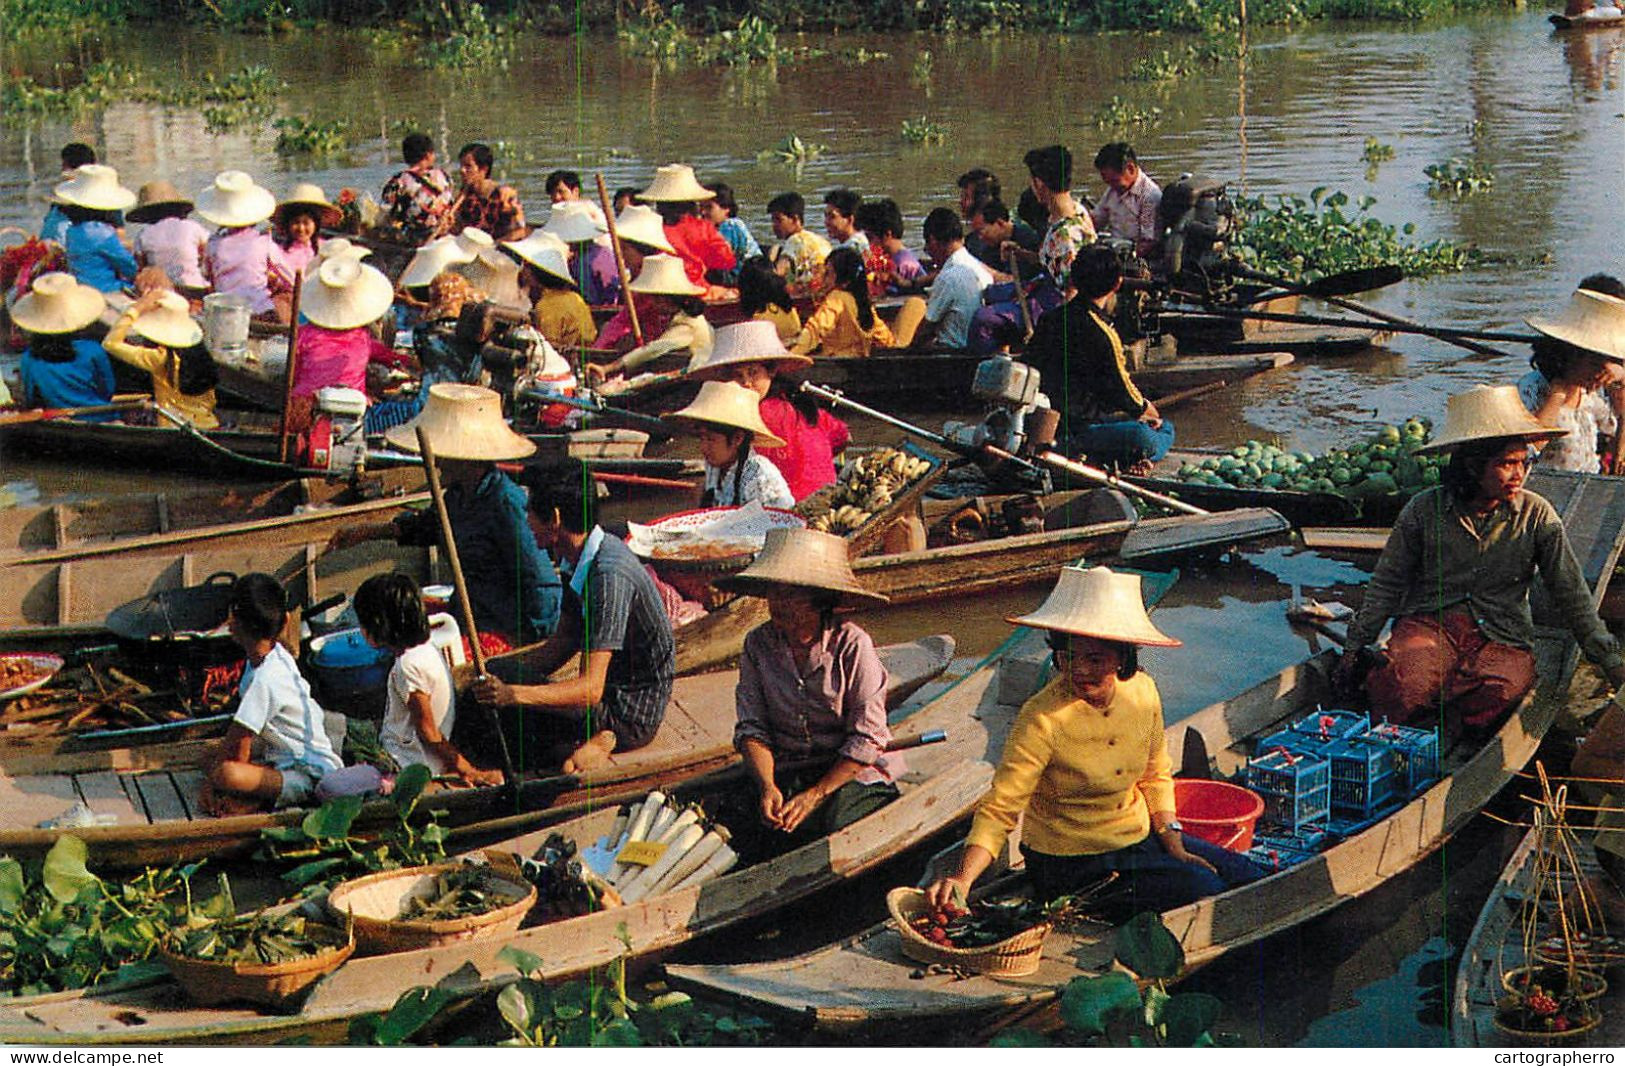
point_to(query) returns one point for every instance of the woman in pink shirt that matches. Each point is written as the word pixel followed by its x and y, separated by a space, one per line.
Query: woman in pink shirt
pixel 240 259
pixel 296 227
pixel 168 239
pixel 339 302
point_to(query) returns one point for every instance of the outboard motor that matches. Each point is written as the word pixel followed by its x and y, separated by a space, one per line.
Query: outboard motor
pixel 1018 418
pixel 1196 218
pixel 1136 314
pixel 337 439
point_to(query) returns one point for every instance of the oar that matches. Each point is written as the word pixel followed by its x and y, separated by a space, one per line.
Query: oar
pixel 1021 295
pixel 1328 320
pixel 48 414
pixel 620 261
pixel 654 426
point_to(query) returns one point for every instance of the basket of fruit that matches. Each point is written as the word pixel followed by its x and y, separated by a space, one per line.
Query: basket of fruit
pixel 263 959
pixel 431 906
pixel 1555 1011
pixel 990 937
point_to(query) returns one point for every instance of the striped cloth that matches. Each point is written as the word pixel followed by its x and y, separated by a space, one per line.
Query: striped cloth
pixel 621 612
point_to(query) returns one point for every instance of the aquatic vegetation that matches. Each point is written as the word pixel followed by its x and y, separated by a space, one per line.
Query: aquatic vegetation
pixel 792 150
pixel 1308 238
pixel 1172 64
pixel 1376 152
pixel 243 95
pixel 1120 116
pixel 665 35
pixel 919 71
pixel 301 136
pixel 860 57
pixel 923 131
pixel 1455 178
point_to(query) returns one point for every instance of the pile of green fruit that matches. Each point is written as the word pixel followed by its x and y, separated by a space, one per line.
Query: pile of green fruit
pixel 1385 465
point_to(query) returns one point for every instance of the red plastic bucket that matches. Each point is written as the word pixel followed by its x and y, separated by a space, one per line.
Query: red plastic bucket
pixel 1218 812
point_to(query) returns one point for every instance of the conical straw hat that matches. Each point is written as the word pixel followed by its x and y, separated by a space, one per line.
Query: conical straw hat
pixel 463 422
pixel 155 195
pixel 307 194
pixel 345 293
pixel 642 224
pixel 665 275
pixel 234 200
pixel 497 276
pixel 1592 320
pixel 573 221
pixel 747 342
pixel 57 303
pixel 675 182
pixel 432 260
pixel 1488 412
pixel 170 323
pixel 474 242
pixel 546 253
pixel 802 558
pixel 722 403
pixel 95 186
pixel 339 247
pixel 1097 602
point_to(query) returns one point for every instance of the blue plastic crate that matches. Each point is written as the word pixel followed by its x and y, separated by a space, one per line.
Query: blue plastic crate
pixel 1362 776
pixel 1332 725
pixel 1416 755
pixel 1277 856
pixel 1310 838
pixel 1296 788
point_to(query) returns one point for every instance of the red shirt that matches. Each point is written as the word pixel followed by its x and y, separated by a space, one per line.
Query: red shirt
pixel 701 247
pixel 808 463
pixel 617 332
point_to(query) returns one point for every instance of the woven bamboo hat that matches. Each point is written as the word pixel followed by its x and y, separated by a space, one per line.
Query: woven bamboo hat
pixel 1488 412
pixel 432 260
pixel 170 323
pixel 463 422
pixel 1594 321
pixel 339 247
pixel 665 275
pixel 58 304
pixel 747 342
pixel 1100 603
pixel 546 253
pixel 573 221
pixel 308 194
pixel 675 182
pixel 642 224
pixel 95 186
pixel 345 293
pixel 805 559
pixel 153 196
pixel 234 200
pixel 729 406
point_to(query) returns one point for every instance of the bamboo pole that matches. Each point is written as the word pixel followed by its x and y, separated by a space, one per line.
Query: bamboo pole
pixel 620 261
pixel 288 369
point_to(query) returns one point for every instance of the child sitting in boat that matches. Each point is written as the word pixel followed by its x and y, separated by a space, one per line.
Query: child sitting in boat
pixel 722 211
pixel 183 373
pixel 728 419
pixel 240 259
pixel 893 268
pixel 764 295
pixel 274 707
pixel 845 323
pixel 92 200
pixel 800 253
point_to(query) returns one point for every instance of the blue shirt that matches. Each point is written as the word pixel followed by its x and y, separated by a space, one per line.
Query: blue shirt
pixel 84 381
pixel 98 258
pixel 739 238
pixel 621 612
pixel 55 226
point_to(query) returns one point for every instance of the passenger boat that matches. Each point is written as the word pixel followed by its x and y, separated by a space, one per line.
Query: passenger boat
pixel 1204 333
pixel 1579 22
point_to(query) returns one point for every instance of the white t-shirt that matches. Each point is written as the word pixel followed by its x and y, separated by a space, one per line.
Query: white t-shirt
pixel 419 669
pixel 955 297
pixel 276 706
pixel 760 481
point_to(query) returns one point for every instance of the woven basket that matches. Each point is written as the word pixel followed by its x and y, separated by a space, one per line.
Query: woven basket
pixel 1015 956
pixel 372 903
pixel 279 984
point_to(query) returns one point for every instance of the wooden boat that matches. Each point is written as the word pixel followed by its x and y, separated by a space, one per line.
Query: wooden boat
pixel 943 783
pixel 1574 22
pixel 153 791
pixel 1238 336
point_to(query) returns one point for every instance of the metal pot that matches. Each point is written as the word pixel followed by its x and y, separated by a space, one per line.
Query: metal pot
pixel 178 628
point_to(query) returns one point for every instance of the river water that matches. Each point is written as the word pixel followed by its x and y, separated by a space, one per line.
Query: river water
pixel 1543 112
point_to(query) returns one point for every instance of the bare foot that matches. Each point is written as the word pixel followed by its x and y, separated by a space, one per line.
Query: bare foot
pixel 230 804
pixel 591 755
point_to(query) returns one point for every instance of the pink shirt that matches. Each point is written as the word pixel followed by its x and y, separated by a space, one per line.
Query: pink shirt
pixel 295 258
pixel 808 462
pixel 240 262
pixel 335 357
pixel 172 244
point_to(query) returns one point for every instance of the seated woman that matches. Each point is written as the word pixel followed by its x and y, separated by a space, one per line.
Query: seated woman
pixel 339 302
pixel 677 299
pixel 296 227
pixel 579 224
pixel 810 687
pixel 845 322
pixel 92 201
pixel 240 259
pixel 1579 365
pixel 557 310
pixel 61 367
pixel 764 295
pixel 1087 762
pixel 641 235
pixel 169 239
pixel 275 707
pixel 728 419
pixel 183 372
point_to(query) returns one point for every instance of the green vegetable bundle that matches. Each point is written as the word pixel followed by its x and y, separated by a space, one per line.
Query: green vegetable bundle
pixel 1385 465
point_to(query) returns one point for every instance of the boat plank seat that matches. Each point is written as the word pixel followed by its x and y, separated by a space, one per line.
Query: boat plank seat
pixel 688 726
pixel 189 784
pixel 161 798
pixel 104 794
pixel 31 799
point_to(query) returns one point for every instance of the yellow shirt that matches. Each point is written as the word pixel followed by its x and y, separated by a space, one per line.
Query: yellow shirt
pixel 788 323
pixel 833 329
pixel 165 367
pixel 1087 777
pixel 562 317
pixel 695 334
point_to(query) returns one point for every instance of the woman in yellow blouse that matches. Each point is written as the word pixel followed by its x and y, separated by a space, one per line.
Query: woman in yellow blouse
pixel 1087 761
pixel 845 322
pixel 557 310
pixel 183 373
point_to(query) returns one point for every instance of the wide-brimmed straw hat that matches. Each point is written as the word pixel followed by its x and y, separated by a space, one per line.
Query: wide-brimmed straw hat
pixel 57 303
pixel 642 225
pixel 432 260
pixel 546 253
pixel 804 559
pixel 665 275
pixel 1488 412
pixel 339 247
pixel 574 221
pixel 95 186
pixel 747 342
pixel 729 406
pixel 675 182
pixel 463 422
pixel 308 194
pixel 345 293
pixel 154 197
pixel 170 323
pixel 234 200
pixel 1097 602
pixel 1594 321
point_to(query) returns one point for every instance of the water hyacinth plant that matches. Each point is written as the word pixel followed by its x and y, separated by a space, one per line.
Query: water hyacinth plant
pixel 923 131
pixel 1308 238
pixel 1455 178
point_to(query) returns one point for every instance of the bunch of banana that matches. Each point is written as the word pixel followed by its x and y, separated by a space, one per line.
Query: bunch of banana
pixel 867 485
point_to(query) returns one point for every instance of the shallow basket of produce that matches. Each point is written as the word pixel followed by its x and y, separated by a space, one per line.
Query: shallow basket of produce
pixel 1524 980
pixel 1014 956
pixel 314 950
pixel 430 906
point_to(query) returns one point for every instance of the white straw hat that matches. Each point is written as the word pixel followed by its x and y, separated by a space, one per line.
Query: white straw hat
pixel 497 276
pixel 432 260
pixel 1488 412
pixel 170 323
pixel 747 342
pixel 95 186
pixel 345 293
pixel 642 224
pixel 665 275
pixel 463 422
pixel 1097 602
pixel 57 303
pixel 722 403
pixel 675 182
pixel 154 196
pixel 475 241
pixel 546 253
pixel 1594 321
pixel 802 558
pixel 574 221
pixel 234 200
pixel 307 194
pixel 338 247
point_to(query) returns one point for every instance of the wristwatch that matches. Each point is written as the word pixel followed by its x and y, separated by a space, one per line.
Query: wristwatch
pixel 1172 826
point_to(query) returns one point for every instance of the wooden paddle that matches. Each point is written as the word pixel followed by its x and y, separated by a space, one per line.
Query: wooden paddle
pixel 1329 320
pixel 620 260
pixel 48 414
pixel 1021 295
pixel 288 370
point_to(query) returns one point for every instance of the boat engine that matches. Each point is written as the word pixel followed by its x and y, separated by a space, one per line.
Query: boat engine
pixel 1137 301
pixel 1196 218
pixel 337 439
pixel 1018 417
